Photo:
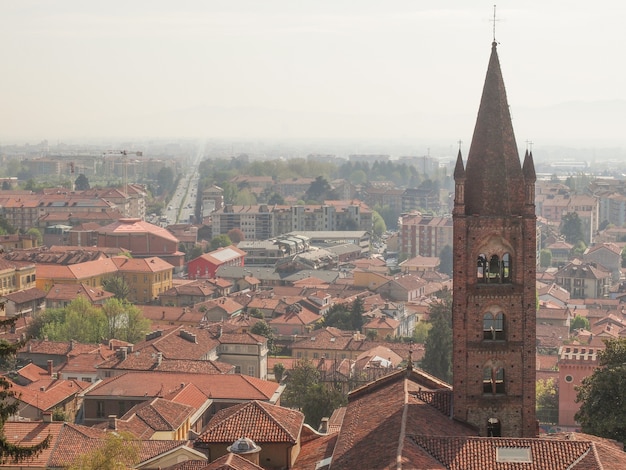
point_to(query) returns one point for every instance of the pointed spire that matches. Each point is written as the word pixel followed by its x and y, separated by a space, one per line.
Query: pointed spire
pixel 459 170
pixel 529 168
pixel 493 166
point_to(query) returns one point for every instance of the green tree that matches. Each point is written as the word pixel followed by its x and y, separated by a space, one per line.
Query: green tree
pixel 262 328
pixel 547 404
pixel 36 234
pixel 357 309
pixel 117 286
pixel 80 321
pixel 276 199
pixel 579 249
pixel 420 332
pixel 119 451
pixel 321 401
pixel 305 392
pixel 379 225
pixel 125 321
pixel 220 241
pixel 320 190
pixel 545 258
pixel 279 371
pixel 572 228
pixel 81 183
pixel 601 395
pixel 579 322
pixel 165 180
pixel 445 260
pixel 338 316
pixel 438 346
pixel 9 406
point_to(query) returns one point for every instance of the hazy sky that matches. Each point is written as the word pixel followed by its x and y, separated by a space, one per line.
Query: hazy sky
pixel 357 68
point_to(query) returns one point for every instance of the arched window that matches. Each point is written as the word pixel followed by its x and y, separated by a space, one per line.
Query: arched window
pixel 507 275
pixel 493 428
pixel 481 266
pixel 493 379
pixel 494 269
pixel 493 327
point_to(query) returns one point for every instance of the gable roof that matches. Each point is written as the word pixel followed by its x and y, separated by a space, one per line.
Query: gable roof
pixel 259 421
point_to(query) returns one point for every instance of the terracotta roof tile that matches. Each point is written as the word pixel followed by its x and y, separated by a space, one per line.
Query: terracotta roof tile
pixel 153 384
pixel 259 421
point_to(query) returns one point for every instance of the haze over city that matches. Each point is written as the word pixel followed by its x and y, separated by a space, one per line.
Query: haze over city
pixel 401 70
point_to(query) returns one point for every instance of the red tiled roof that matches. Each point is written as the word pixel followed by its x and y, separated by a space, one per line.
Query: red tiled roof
pixel 153 384
pixel 129 225
pixel 259 421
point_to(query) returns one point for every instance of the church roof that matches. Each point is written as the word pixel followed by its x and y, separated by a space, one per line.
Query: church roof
pixel 493 164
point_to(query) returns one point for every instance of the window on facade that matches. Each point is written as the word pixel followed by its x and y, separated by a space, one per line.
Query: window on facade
pixel 493 380
pixel 315 355
pixel 122 408
pixel 494 428
pixel 481 266
pixel 237 369
pixel 100 409
pixel 493 327
pixel 251 371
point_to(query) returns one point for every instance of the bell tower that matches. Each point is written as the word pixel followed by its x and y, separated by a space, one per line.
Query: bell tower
pixel 494 300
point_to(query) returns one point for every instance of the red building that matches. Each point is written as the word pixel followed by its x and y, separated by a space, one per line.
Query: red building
pixel 143 240
pixel 205 266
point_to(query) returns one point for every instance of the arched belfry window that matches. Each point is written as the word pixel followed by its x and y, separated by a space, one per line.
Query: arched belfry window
pixel 506 268
pixel 493 379
pixel 493 326
pixel 481 267
pixel 493 269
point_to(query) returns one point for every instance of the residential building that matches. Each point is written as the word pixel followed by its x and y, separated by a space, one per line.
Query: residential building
pixel 277 430
pixel 424 235
pixel 147 278
pixel 584 280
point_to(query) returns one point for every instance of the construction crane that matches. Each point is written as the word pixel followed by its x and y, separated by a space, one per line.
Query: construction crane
pixel 124 153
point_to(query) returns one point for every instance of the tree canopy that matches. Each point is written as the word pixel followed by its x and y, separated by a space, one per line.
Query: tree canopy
pixel 83 322
pixel 437 358
pixel 81 183
pixel 601 395
pixel 572 228
pixel 307 393
pixel 9 451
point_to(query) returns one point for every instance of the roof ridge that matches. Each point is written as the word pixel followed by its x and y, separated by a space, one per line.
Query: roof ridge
pixel 266 407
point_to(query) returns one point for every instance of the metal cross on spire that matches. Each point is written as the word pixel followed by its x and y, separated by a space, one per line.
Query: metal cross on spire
pixel 494 23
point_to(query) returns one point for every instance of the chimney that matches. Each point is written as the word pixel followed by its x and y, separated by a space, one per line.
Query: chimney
pixel 323 429
pixel 113 422
pixel 50 367
pixel 159 358
pixel 47 416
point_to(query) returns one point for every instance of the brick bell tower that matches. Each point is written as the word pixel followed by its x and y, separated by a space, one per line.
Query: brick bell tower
pixel 494 300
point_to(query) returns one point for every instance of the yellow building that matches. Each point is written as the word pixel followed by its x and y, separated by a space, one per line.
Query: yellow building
pixel 14 277
pixel 146 277
pixel 90 273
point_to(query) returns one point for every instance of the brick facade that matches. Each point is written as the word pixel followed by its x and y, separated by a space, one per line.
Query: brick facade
pixel 494 253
